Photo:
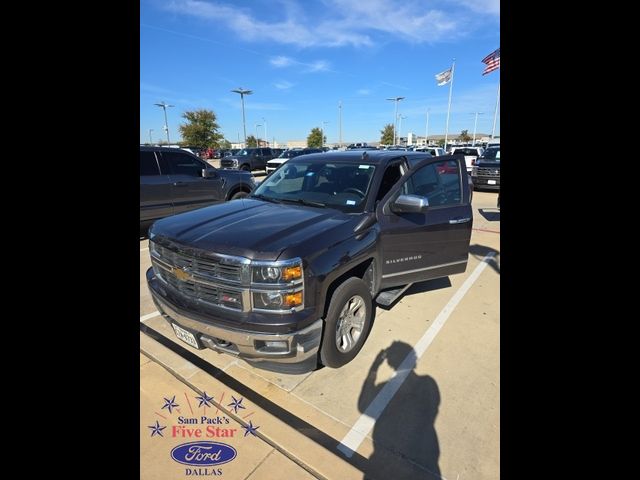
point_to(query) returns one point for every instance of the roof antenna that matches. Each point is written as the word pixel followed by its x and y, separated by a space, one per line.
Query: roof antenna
pixel 365 155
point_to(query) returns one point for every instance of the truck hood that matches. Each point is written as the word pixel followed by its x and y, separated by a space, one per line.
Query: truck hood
pixel 487 163
pixel 253 228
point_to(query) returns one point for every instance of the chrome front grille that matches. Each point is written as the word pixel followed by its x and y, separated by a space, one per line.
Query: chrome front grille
pixel 488 172
pixel 214 281
pixel 205 268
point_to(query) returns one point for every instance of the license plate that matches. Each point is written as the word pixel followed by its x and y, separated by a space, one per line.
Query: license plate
pixel 185 336
pixel 491 182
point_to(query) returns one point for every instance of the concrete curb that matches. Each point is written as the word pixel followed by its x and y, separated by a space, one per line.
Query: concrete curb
pixel 315 459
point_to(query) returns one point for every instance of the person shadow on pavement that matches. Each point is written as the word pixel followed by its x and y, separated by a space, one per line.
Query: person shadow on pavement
pixel 404 436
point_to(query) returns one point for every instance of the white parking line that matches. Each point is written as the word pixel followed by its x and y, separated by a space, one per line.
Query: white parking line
pixel 146 317
pixel 365 423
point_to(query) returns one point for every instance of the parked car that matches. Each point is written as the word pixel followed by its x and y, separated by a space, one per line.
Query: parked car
pixel 486 171
pixel 173 181
pixel 470 155
pixel 287 278
pixel 287 154
pixel 248 159
pixel 435 151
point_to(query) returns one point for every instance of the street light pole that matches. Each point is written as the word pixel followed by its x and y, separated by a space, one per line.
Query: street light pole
pixel 150 140
pixel 340 122
pixel 395 118
pixel 257 125
pixel 400 117
pixel 164 106
pixel 266 139
pixel 242 93
pixel 426 134
pixel 322 134
pixel 475 124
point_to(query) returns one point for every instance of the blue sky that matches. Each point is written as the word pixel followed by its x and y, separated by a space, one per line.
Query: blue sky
pixel 301 57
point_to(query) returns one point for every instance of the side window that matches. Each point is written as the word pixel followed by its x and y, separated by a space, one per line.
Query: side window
pixel 439 182
pixel 391 175
pixel 148 164
pixel 182 164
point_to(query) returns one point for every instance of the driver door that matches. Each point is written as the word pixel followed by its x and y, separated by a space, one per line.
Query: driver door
pixel 432 243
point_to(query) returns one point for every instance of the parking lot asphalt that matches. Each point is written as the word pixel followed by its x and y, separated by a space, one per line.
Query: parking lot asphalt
pixel 434 416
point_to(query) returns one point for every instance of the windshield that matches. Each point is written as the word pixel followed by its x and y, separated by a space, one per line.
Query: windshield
pixel 244 152
pixel 290 153
pixel 343 186
pixel 492 154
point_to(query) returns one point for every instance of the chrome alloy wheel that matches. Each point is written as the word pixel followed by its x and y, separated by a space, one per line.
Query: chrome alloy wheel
pixel 350 323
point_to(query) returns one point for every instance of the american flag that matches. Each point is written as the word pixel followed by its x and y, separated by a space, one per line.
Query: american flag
pixel 492 61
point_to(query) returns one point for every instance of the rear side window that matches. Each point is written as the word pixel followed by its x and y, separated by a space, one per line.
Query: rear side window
pixel 148 164
pixel 182 164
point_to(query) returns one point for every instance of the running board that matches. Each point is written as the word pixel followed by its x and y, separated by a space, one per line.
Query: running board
pixel 387 297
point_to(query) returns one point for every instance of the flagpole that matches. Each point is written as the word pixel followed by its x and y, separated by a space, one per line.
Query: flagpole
pixel 446 130
pixel 495 114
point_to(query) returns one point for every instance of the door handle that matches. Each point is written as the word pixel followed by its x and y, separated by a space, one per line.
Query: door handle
pixel 179 184
pixel 453 221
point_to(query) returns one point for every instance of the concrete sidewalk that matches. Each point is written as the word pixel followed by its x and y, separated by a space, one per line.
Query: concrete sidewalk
pixel 168 382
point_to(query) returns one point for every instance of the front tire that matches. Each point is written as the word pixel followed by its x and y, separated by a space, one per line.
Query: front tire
pixel 347 323
pixel 245 168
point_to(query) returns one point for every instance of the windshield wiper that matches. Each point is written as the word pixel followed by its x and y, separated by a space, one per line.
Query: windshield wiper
pixel 304 202
pixel 266 199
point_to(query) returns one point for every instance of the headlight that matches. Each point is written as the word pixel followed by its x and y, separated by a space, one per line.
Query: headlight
pixel 291 271
pixel 277 300
pixel 277 286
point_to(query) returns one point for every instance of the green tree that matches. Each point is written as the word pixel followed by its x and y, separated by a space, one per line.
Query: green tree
pixel 387 135
pixel 201 129
pixel 464 136
pixel 315 140
pixel 252 142
pixel 226 144
pixel 441 142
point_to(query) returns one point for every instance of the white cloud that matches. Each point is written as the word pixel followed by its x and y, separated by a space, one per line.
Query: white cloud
pixel 318 66
pixel 283 85
pixel 347 22
pixel 363 91
pixel 281 61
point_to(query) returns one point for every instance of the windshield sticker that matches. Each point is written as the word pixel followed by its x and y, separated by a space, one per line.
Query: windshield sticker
pixel 351 202
pixel 364 167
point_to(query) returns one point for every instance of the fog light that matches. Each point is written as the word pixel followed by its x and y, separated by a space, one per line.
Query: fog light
pixel 280 345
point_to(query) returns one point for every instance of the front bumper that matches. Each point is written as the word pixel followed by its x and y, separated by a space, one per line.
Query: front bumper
pixel 483 182
pixel 297 352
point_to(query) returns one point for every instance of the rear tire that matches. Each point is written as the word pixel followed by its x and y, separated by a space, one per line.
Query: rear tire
pixel 240 194
pixel 347 323
pixel 245 167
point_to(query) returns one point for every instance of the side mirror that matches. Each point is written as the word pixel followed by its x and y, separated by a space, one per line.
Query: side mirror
pixel 410 204
pixel 209 173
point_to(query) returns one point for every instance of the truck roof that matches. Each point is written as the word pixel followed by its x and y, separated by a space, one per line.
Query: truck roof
pixel 375 157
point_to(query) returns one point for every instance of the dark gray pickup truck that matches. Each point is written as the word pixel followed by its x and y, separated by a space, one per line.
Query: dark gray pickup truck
pixel 173 180
pixel 287 277
pixel 248 159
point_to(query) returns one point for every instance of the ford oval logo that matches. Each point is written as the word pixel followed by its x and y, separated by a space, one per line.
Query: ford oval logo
pixel 203 453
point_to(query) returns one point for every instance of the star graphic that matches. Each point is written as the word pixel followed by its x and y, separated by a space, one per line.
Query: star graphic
pixel 236 404
pixel 169 404
pixel 204 399
pixel 156 429
pixel 250 429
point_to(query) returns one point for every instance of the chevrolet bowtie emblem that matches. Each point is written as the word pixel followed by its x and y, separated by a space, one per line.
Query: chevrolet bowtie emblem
pixel 181 275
